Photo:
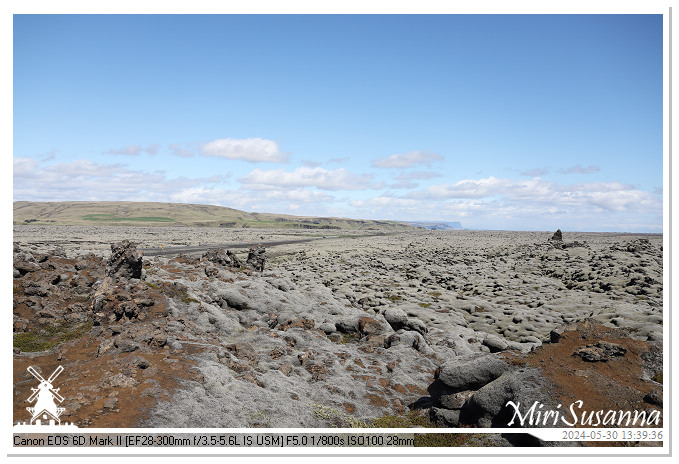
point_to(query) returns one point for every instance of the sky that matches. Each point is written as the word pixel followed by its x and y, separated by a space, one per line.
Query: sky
pixel 514 122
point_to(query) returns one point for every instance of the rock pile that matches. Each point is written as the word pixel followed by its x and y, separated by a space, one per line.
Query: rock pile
pixel 125 261
pixel 222 257
pixel 600 352
pixel 256 258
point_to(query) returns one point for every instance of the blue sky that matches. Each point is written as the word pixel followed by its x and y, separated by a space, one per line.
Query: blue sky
pixel 497 121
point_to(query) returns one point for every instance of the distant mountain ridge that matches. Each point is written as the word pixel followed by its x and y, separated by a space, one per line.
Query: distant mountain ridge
pixel 436 225
pixel 179 214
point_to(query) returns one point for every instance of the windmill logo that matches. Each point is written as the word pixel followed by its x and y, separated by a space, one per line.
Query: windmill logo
pixel 45 411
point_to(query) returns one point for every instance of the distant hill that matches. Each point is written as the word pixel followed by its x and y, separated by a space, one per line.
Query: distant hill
pixel 433 225
pixel 178 214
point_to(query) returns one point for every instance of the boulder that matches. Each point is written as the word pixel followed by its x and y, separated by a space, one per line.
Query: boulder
pixel 409 338
pixel 347 325
pixel 488 406
pixel 25 266
pixel 654 397
pixel 455 400
pixel 368 326
pixel 396 318
pixel 445 417
pixel 495 343
pixel 471 374
pixel 416 325
pixel 125 261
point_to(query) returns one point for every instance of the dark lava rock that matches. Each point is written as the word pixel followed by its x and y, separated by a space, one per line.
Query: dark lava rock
pixel 654 397
pixel 557 236
pixel 445 417
pixel 222 257
pixel 256 258
pixel 125 261
pixel 601 352
pixel 25 266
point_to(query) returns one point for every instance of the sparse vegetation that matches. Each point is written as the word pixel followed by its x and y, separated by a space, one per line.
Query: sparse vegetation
pixel 338 418
pixel 412 418
pixel 451 440
pixel 517 362
pixel 49 336
pixel 346 338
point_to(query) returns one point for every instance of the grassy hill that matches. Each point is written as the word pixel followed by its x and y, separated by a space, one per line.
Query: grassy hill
pixel 177 214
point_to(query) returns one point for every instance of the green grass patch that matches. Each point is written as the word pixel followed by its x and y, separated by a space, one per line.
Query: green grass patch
pixel 424 305
pixel 393 298
pixel 49 336
pixel 657 377
pixel 111 218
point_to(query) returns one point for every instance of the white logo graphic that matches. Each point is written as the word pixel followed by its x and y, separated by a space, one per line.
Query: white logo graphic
pixel 45 408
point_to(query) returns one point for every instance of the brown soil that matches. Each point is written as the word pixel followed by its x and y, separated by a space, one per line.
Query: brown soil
pixel 618 384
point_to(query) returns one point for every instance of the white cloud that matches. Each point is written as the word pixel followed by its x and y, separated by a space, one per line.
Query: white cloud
pixel 537 172
pixel 24 166
pixel 419 175
pixel 312 164
pixel 88 180
pixel 577 169
pixel 133 150
pixel 177 150
pixel 609 196
pixel 255 150
pixel 496 203
pixel 406 160
pixel 404 185
pixel 321 178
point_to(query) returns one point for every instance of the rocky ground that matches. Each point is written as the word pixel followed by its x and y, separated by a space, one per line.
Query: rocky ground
pixel 435 328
